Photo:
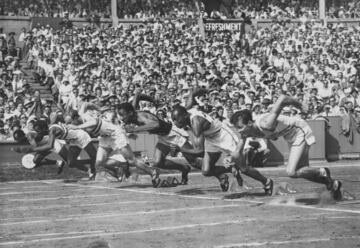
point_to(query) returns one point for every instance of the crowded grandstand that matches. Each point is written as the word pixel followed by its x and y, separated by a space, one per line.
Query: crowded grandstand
pixel 165 58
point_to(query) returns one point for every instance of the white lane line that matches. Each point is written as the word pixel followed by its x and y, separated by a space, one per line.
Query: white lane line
pixel 58 234
pixel 167 228
pixel 59 198
pixel 43 191
pixel 33 181
pixel 286 242
pixel 33 187
pixel 320 208
pixel 116 214
pixel 71 205
pixel 350 202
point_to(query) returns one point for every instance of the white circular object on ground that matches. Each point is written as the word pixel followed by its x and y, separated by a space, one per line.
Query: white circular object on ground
pixel 28 161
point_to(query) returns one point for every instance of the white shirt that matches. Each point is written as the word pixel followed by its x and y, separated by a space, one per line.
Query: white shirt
pixel 64 91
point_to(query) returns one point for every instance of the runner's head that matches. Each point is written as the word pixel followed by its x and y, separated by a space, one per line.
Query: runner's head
pixel 41 127
pixel 242 120
pixel 161 114
pixel 57 117
pixel 180 116
pixel 127 113
pixel 19 136
pixel 109 115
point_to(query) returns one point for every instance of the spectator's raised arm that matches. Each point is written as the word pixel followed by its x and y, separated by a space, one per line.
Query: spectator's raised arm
pixel 194 93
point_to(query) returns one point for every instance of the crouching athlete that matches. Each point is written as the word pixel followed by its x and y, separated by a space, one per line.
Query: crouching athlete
pixel 296 132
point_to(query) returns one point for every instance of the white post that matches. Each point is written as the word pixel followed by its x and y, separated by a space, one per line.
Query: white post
pixel 200 20
pixel 114 16
pixel 322 10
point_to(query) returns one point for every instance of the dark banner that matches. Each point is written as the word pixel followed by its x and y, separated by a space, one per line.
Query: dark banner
pixel 43 21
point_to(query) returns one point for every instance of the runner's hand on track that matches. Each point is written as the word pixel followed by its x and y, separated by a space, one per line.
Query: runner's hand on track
pixel 174 150
pixel 228 162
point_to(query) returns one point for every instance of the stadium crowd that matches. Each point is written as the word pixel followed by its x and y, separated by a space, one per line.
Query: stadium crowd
pixel 166 59
pixel 55 8
pixel 142 9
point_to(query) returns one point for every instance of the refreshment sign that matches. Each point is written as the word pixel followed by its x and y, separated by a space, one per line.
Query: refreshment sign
pixel 231 25
pixel 223 26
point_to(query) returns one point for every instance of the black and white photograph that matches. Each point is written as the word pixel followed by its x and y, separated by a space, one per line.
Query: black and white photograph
pixel 179 123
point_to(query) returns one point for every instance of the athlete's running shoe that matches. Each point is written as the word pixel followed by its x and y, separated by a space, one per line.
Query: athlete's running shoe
pixel 119 174
pixel 155 179
pixel 122 173
pixel 185 176
pixel 327 175
pixel 237 176
pixel 268 187
pixel 337 189
pixel 60 164
pixel 92 175
pixel 127 171
pixel 224 182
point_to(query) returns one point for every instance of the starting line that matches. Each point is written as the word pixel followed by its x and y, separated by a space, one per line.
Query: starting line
pixel 218 198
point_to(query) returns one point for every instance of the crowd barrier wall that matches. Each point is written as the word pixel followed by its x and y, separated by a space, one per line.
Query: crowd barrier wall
pixel 330 145
pixel 339 145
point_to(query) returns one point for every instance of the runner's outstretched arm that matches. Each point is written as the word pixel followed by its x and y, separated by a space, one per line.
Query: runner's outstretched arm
pixel 198 144
pixel 46 147
pixel 149 122
pixel 269 121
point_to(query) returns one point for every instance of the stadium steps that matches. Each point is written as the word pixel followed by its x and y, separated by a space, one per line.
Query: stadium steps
pixel 28 76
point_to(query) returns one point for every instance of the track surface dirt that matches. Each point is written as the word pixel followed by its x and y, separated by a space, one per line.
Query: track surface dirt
pixel 76 213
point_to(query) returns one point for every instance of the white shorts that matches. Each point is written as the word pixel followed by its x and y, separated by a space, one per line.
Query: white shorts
pixel 118 157
pixel 302 133
pixel 224 141
pixel 58 145
pixel 173 138
pixel 114 142
pixel 81 139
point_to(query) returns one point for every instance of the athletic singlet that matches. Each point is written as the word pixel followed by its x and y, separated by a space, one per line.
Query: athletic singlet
pixel 163 129
pixel 286 127
pixel 61 131
pixel 103 128
pixel 215 124
pixel 64 133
